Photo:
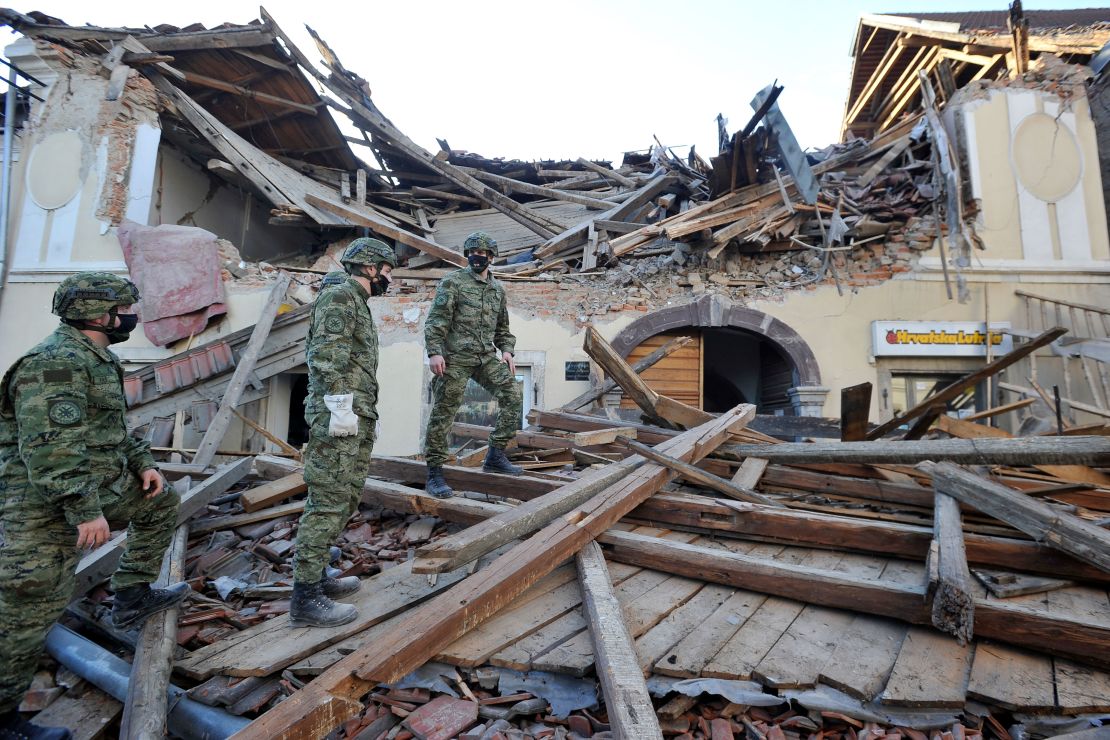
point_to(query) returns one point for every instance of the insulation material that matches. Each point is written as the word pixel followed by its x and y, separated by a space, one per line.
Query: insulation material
pixel 177 269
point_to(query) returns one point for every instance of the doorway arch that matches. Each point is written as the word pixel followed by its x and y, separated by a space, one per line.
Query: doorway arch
pixel 717 313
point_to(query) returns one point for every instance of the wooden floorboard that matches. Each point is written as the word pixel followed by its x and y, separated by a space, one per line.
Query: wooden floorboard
pixel 686 620
pixel 1080 688
pixel 931 671
pixel 1012 678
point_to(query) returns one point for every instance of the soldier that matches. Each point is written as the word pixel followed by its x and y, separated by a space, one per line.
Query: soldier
pixel 341 408
pixel 67 468
pixel 469 323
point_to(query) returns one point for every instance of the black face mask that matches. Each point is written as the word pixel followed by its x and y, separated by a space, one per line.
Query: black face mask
pixel 380 285
pixel 121 333
pixel 479 262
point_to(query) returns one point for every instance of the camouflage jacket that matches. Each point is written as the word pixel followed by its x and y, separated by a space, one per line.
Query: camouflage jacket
pixel 342 350
pixel 62 424
pixel 469 317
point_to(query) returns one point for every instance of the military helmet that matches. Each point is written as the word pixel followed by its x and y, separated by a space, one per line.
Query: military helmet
pixel 367 251
pixel 89 295
pixel 480 240
pixel 335 277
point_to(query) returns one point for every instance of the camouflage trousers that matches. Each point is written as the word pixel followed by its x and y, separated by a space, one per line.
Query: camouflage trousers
pixel 39 559
pixel 447 396
pixel 335 470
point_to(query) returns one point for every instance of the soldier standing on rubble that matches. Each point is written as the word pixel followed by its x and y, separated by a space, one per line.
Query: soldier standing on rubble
pixel 67 468
pixel 469 323
pixel 341 408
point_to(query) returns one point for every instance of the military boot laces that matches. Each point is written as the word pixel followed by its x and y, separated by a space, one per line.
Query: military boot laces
pixel 436 486
pixel 309 607
pixel 497 462
pixel 14 727
pixel 136 603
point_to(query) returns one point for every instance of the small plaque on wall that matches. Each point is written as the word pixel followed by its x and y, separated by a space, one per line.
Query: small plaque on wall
pixel 578 370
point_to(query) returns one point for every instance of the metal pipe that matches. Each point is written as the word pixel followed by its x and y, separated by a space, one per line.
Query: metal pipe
pixel 6 182
pixel 187 718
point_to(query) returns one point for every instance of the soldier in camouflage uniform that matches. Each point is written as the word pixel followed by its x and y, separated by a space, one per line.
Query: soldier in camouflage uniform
pixel 341 408
pixel 467 336
pixel 67 468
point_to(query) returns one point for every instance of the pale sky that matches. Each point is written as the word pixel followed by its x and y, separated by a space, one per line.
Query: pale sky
pixel 556 80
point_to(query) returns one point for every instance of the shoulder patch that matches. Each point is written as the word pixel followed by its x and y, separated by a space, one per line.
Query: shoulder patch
pixel 65 413
pixel 334 324
pixel 57 376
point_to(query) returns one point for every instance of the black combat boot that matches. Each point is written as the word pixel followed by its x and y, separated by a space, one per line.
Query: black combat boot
pixel 337 588
pixel 311 608
pixel 14 727
pixel 436 486
pixel 136 603
pixel 496 462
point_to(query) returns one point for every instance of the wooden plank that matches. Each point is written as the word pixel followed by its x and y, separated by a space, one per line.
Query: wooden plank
pixel 271 492
pixel 795 660
pixel 261 97
pixel 948 585
pixel 517 186
pixel 365 217
pixel 1090 450
pixel 86 711
pixel 697 475
pixel 631 714
pixel 957 387
pixel 652 646
pixel 641 612
pixel 102 562
pixel 462 478
pixel 750 472
pixel 1080 688
pixel 931 671
pixel 999 410
pixel 1056 632
pixel 238 520
pixel 453 550
pixel 1013 679
pixel 217 428
pixel 653 404
pixel 144 715
pixel 689 656
pixel 1059 529
pixel 332 697
pixel 855 408
pixel 272 645
pixel 964 429
pixel 628 182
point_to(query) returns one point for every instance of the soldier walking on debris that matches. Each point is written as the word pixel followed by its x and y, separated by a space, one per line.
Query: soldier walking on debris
pixel 467 336
pixel 341 409
pixel 67 468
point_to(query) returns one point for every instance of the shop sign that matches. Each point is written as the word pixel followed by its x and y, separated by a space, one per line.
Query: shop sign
pixel 938 339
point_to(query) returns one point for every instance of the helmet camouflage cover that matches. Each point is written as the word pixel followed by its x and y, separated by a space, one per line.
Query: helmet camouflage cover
pixel 367 251
pixel 88 295
pixel 480 240
pixel 335 277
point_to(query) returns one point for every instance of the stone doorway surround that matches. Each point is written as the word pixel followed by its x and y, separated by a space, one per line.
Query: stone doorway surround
pixel 717 311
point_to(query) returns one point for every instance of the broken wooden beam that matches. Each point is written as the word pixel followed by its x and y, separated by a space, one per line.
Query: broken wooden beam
pixel 334 696
pixel 272 492
pixel 369 219
pixel 1067 635
pixel 1019 451
pixel 697 475
pixel 655 405
pixel 607 173
pixel 957 387
pixel 948 581
pixel 217 428
pixel 639 366
pixel 627 701
pixel 1037 519
pixel 452 551
pixel 144 713
pixel 855 408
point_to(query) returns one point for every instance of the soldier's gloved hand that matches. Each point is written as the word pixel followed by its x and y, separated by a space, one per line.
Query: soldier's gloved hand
pixel 344 421
pixel 93 533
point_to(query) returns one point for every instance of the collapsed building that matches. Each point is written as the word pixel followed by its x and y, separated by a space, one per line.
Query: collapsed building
pixel 946 263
